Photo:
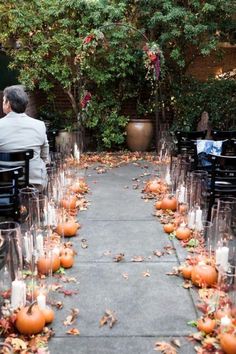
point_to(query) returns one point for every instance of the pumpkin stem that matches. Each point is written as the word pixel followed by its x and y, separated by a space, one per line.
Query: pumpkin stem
pixel 29 311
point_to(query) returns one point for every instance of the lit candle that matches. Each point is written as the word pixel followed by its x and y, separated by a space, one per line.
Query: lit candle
pixel 76 152
pixel 191 219
pixel 18 293
pixel 181 197
pixel 27 248
pixel 198 222
pixel 225 322
pixel 222 256
pixel 167 178
pixel 39 243
pixel 41 300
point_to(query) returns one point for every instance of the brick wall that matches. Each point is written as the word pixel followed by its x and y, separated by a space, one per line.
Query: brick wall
pixel 211 66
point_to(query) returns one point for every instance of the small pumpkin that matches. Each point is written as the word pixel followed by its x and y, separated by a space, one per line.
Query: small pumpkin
pixel 158 204
pixel 48 313
pixel 68 202
pixel 67 250
pixel 228 343
pixel 45 264
pixel 183 233
pixel 186 271
pixel 168 228
pixel 169 203
pixel 68 228
pixel 79 187
pixel 206 325
pixel 204 275
pixel 30 320
pixel 67 260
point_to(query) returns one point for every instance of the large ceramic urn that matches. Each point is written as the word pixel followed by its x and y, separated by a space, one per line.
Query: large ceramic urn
pixel 139 134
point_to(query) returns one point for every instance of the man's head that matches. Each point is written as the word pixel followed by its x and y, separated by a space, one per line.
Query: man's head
pixel 14 99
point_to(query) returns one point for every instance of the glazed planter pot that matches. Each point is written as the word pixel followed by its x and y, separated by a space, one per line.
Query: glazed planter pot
pixel 139 134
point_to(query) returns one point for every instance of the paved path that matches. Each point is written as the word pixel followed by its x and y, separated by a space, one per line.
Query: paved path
pixel 148 309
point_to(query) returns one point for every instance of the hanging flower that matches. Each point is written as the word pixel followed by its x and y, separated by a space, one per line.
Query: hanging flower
pixel 85 99
pixel 88 38
pixel 152 59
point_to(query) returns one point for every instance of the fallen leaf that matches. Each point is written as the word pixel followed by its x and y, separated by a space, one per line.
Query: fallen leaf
pixel 137 259
pixel 73 332
pixel 146 274
pixel 107 253
pixel 84 243
pixel 72 317
pixel 174 272
pixel 165 348
pixel 187 284
pixel 18 344
pixel 119 257
pixel 176 342
pixel 158 253
pixel 58 304
pixel 108 318
pixel 68 292
pixel 125 275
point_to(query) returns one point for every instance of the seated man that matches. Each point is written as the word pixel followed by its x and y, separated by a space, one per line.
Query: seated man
pixel 18 132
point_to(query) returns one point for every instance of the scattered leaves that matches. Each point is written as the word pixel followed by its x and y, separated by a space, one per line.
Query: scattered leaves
pixel 137 259
pixel 84 243
pixel 72 317
pixel 187 284
pixel 108 318
pixel 125 275
pixel 73 332
pixel 119 257
pixel 146 274
pixel 165 348
pixel 158 253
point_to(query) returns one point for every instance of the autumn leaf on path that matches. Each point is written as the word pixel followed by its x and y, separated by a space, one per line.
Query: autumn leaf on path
pixel 84 243
pixel 18 345
pixel 58 304
pixel 187 284
pixel 137 259
pixel 146 274
pixel 68 292
pixel 165 348
pixel 72 317
pixel 108 318
pixel 119 257
pixel 158 253
pixel 107 253
pixel 73 332
pixel 175 271
pixel 125 275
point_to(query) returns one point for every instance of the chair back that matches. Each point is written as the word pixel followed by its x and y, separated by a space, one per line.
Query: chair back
pixel 223 178
pixel 11 159
pixel 186 140
pixel 229 147
pixel 9 184
pixel 52 134
pixel 223 134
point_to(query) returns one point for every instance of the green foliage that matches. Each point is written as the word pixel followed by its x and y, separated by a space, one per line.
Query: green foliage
pixel 217 97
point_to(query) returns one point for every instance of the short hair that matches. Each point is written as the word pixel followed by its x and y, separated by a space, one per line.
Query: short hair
pixel 17 97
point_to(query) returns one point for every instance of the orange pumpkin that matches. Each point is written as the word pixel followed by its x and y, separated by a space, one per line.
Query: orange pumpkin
pixel 203 275
pixel 183 233
pixel 67 260
pixel 168 228
pixel 67 250
pixel 48 314
pixel 45 264
pixel 228 343
pixel 30 320
pixel 68 228
pixel 158 204
pixel 186 271
pixel 169 203
pixel 68 202
pixel 79 187
pixel 206 325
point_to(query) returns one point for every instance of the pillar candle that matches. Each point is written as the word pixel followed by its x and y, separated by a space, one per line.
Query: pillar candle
pixel 222 256
pixel 41 300
pixel 191 219
pixel 18 293
pixel 181 197
pixel 27 248
pixel 198 222
pixel 39 243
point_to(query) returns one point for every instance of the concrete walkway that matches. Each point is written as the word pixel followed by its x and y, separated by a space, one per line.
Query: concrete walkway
pixel 149 308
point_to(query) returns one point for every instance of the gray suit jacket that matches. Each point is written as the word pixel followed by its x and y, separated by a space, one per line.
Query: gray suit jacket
pixel 21 132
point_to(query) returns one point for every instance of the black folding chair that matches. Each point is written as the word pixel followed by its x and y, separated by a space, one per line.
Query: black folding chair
pixel 222 178
pixel 11 159
pixel 186 145
pixel 9 188
pixel 223 134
